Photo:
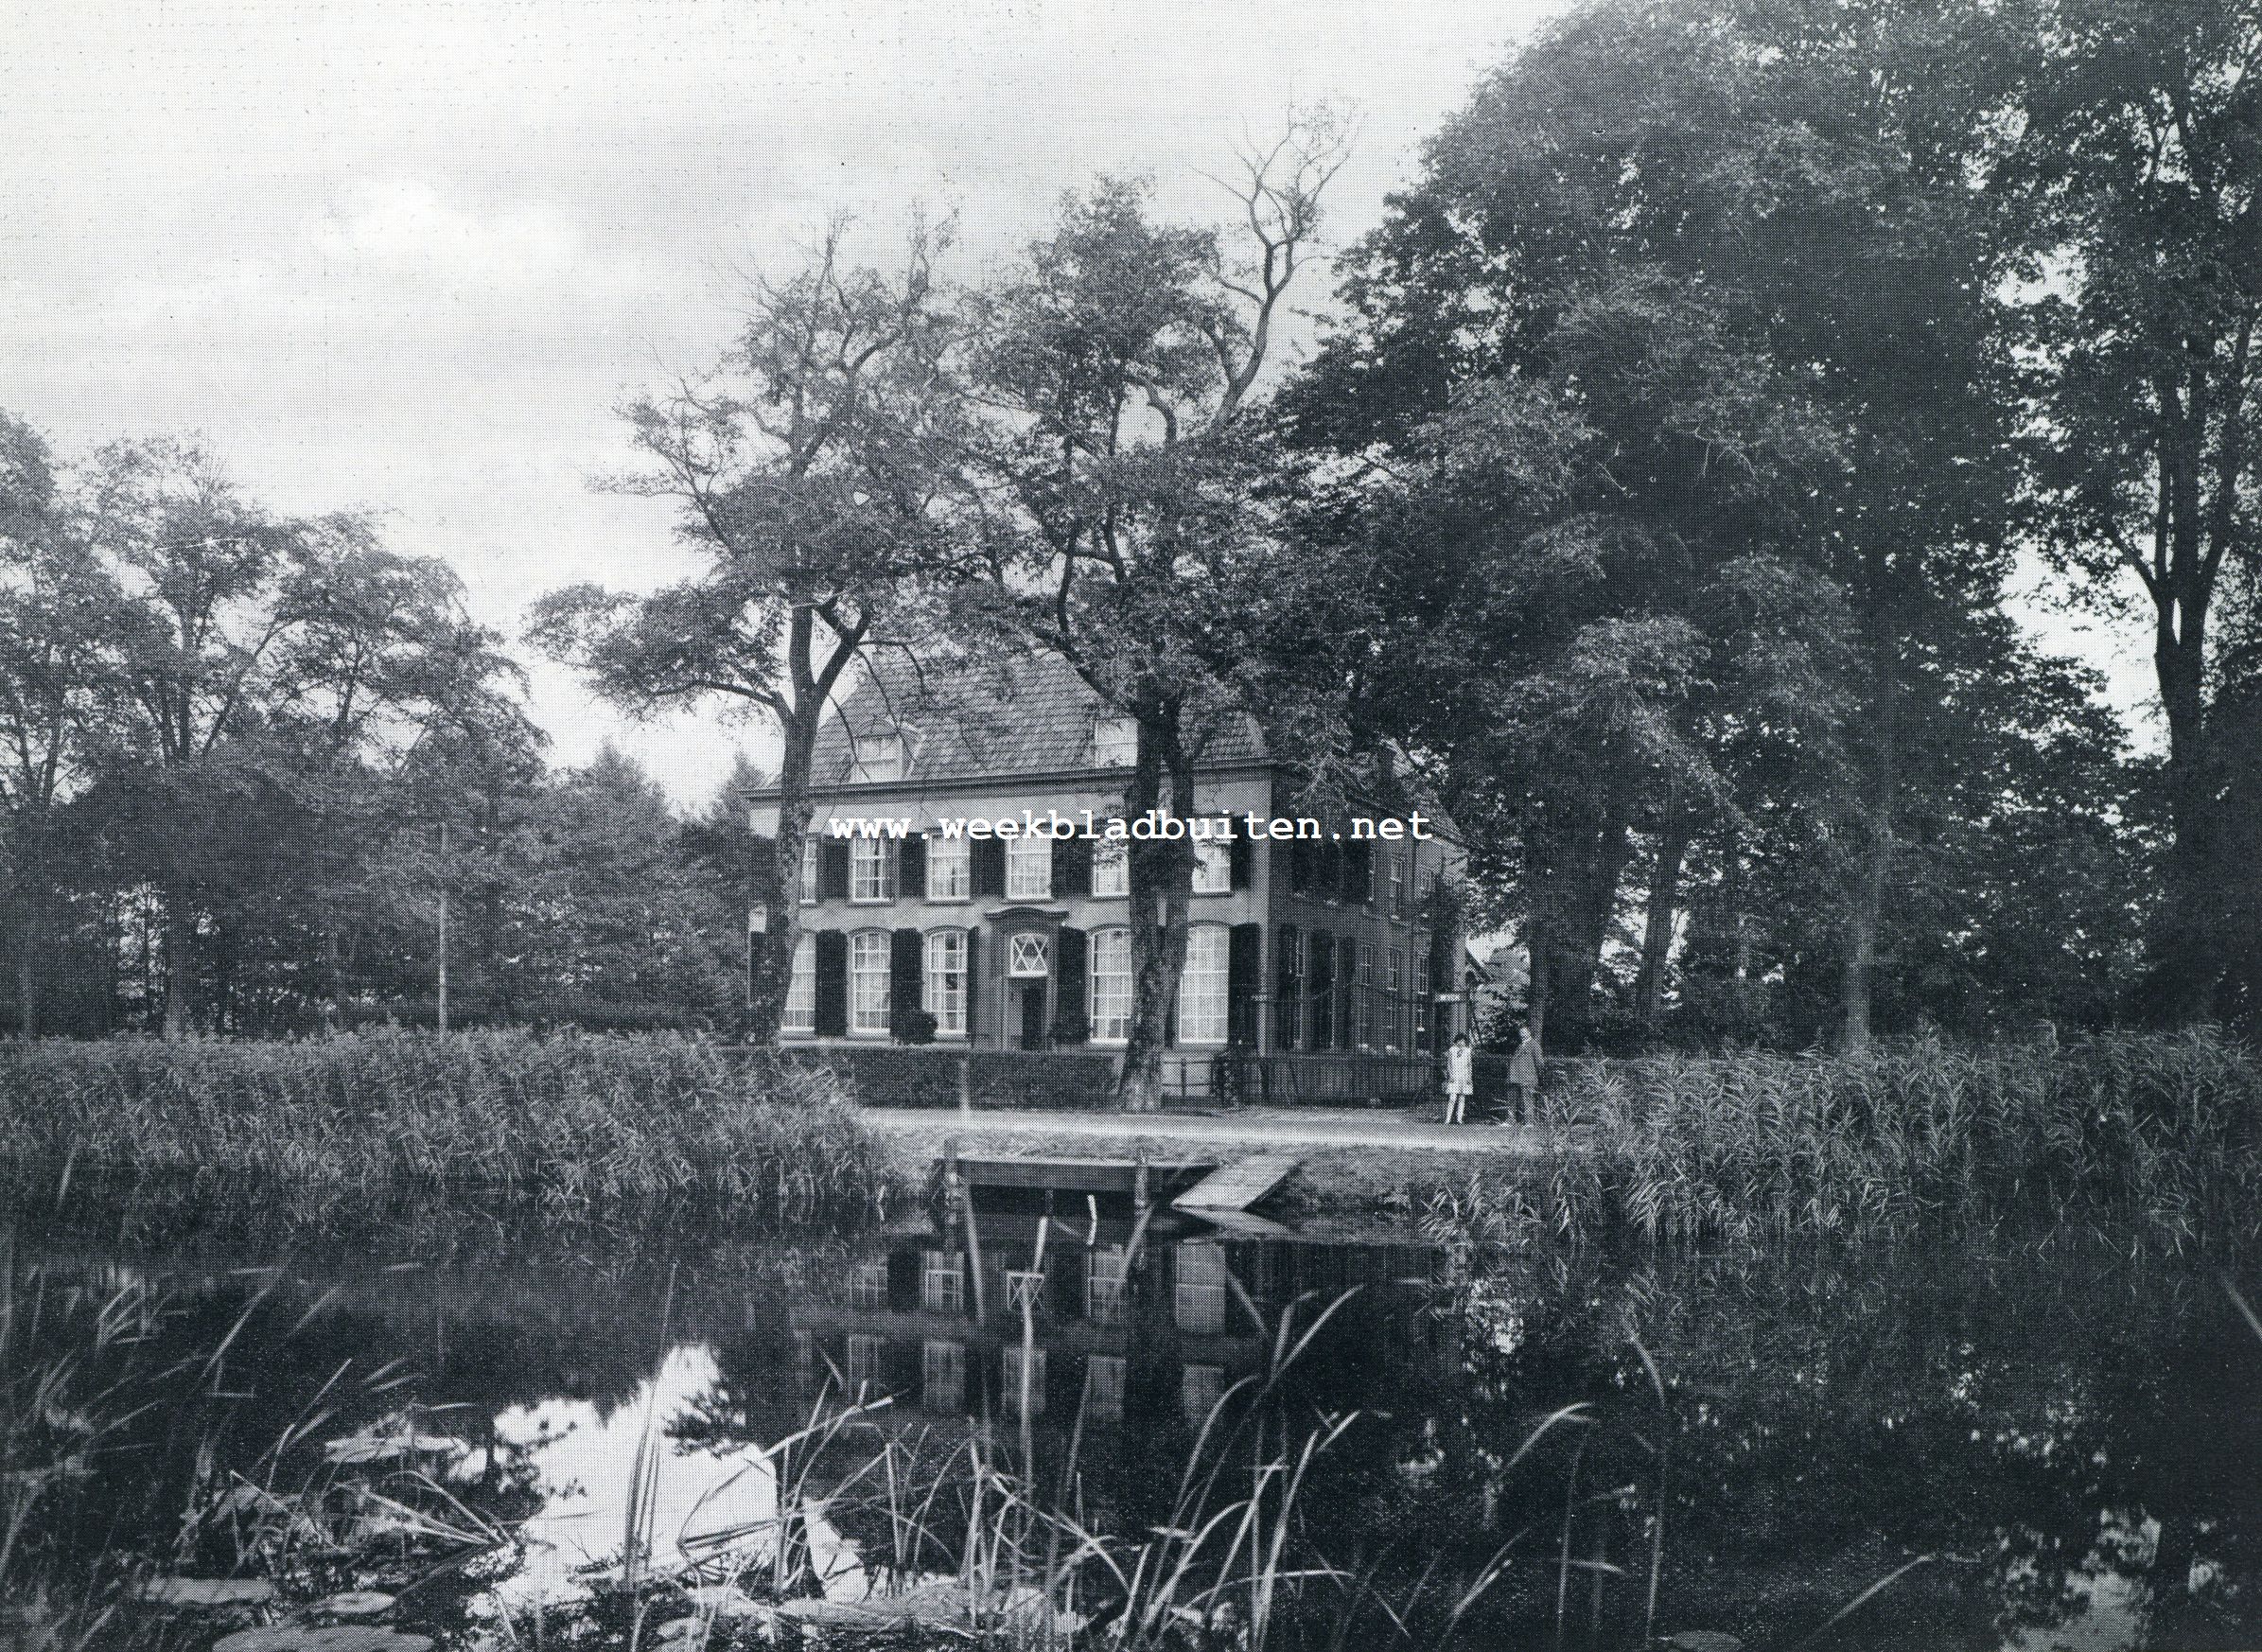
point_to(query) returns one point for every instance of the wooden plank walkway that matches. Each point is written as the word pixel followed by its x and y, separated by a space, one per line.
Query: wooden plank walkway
pixel 1067 1175
pixel 1240 1183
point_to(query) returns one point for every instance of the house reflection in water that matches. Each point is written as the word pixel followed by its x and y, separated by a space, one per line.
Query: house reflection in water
pixel 934 1322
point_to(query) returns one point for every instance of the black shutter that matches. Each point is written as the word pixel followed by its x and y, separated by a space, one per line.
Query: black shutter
pixel 1331 871
pixel 903 961
pixel 832 983
pixel 1240 858
pixel 973 982
pixel 1358 867
pixel 986 861
pixel 1347 987
pixel 912 870
pixel 1068 973
pixel 1244 956
pixel 831 870
pixel 1072 865
pixel 1284 942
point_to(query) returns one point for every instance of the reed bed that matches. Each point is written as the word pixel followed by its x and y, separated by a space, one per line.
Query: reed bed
pixel 2160 1134
pixel 578 1122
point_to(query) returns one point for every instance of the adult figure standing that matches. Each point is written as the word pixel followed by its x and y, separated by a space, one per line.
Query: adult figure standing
pixel 1460 1078
pixel 1524 1069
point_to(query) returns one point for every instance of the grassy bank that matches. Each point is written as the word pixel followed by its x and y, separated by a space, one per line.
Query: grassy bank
pixel 2157 1133
pixel 577 1122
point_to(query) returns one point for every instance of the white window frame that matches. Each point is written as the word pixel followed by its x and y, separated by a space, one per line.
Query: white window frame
pixel 1115 742
pixel 1107 1284
pixel 800 987
pixel 1204 997
pixel 1398 886
pixel 862 1366
pixel 871 871
pixel 1213 867
pixel 869 1010
pixel 810 858
pixel 1009 1379
pixel 867 1284
pixel 942 1281
pixel 955 856
pixel 878 757
pixel 943 982
pixel 1198 1306
pixel 1393 970
pixel 1028 868
pixel 942 1375
pixel 1108 1024
pixel 1111 870
pixel 1107 1377
pixel 1028 955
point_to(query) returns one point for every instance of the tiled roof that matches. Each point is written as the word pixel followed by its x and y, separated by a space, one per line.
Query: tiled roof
pixel 1026 715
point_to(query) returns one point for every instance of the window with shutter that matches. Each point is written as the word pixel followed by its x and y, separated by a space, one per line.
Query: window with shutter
pixel 1202 985
pixel 946 981
pixel 801 992
pixel 949 875
pixel 868 980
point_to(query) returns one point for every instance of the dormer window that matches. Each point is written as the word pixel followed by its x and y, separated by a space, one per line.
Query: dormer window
pixel 1115 742
pixel 878 757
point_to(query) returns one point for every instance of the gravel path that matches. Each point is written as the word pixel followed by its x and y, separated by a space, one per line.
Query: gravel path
pixel 1314 1127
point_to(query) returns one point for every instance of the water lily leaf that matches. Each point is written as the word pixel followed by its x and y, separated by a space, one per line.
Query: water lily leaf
pixel 356 1602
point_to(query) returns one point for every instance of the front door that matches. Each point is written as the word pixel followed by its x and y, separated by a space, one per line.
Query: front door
pixel 1033 1015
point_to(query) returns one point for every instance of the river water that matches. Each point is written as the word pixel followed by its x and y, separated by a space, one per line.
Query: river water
pixel 492 1418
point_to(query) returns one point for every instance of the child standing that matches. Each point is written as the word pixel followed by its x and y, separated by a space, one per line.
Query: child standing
pixel 1460 1074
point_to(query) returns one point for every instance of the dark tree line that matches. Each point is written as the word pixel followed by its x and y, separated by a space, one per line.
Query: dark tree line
pixel 1661 491
pixel 232 740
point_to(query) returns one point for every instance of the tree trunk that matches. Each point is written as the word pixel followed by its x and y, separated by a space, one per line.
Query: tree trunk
pixel 1540 960
pixel 1664 896
pixel 776 880
pixel 2182 968
pixel 179 940
pixel 1162 885
pixel 1857 986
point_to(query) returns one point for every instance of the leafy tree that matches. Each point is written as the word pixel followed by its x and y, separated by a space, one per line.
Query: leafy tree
pixel 2132 155
pixel 1117 474
pixel 1705 283
pixel 803 470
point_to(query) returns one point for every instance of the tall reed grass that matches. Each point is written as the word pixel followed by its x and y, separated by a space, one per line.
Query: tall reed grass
pixel 2162 1131
pixel 579 1122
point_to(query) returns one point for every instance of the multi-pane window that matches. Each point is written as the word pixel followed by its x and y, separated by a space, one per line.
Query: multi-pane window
pixel 1362 1007
pixel 942 1281
pixel 1200 1389
pixel 946 980
pixel 949 877
pixel 1106 1269
pixel 869 1004
pixel 1028 955
pixel 942 1376
pixel 867 1284
pixel 1114 742
pixel 864 1362
pixel 1110 971
pixel 1106 1378
pixel 1398 886
pixel 1393 970
pixel 879 757
pixel 1213 867
pixel 1110 868
pixel 1020 1379
pixel 1202 985
pixel 871 869
pixel 1200 1290
pixel 1028 869
pixel 809 858
pixel 800 989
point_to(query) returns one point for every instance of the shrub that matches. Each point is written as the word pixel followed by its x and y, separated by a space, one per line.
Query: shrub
pixel 576 1120
pixel 918 1027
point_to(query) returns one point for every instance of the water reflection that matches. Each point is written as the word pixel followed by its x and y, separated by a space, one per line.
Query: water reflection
pixel 2060 1448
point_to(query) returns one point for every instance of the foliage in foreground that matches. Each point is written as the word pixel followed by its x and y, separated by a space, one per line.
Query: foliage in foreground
pixel 2162 1130
pixel 575 1121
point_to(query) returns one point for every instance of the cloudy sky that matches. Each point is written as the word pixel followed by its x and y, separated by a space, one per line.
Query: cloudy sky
pixel 410 254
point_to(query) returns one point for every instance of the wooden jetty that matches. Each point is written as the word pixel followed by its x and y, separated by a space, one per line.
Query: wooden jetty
pixel 1239 1185
pixel 1116 1177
